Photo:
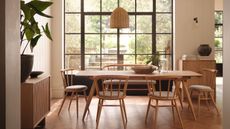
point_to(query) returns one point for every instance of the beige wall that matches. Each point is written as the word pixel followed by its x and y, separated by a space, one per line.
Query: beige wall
pixel 12 62
pixel 188 34
pixel 219 4
pixel 226 65
pixel 56 51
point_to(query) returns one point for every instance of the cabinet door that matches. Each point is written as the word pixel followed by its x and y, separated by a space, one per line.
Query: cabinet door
pixel 41 100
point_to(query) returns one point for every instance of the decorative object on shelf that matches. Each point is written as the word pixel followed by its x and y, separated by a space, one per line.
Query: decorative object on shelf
pixel 144 69
pixel 35 74
pixel 31 31
pixel 119 18
pixel 204 50
pixel 26 66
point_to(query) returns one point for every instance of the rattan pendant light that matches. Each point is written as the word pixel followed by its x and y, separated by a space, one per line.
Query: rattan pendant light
pixel 119 18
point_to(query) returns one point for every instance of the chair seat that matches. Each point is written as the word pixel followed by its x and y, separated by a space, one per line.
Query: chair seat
pixel 163 94
pixel 200 87
pixel 113 94
pixel 77 87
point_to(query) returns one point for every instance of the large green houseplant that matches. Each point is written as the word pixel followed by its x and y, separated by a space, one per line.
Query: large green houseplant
pixel 31 31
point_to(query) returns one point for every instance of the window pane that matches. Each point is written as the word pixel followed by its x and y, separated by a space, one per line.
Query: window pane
pixel 128 5
pixel 218 42
pixel 144 24
pixel 163 23
pixel 109 44
pixel 163 44
pixel 131 28
pixel 218 31
pixel 92 5
pixel 163 5
pixel 72 44
pixel 218 56
pixel 73 61
pixel 92 62
pixel 92 44
pixel 146 6
pixel 127 44
pixel 72 6
pixel 144 44
pixel 108 5
pixel 142 59
pixel 105 25
pixel 109 59
pixel 218 17
pixel 129 59
pixel 92 24
pixel 165 62
pixel 72 23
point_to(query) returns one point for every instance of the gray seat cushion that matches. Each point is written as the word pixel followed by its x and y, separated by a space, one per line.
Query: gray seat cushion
pixel 200 87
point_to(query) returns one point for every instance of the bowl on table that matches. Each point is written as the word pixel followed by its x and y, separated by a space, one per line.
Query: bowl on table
pixel 145 69
pixel 35 74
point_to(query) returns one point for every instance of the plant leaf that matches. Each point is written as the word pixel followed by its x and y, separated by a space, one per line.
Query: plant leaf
pixel 26 10
pixel 47 31
pixel 34 41
pixel 29 32
pixel 39 6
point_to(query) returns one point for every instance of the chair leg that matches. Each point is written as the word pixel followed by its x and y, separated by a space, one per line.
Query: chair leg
pixel 191 91
pixel 198 111
pixel 178 113
pixel 71 98
pixel 147 112
pixel 181 103
pixel 206 100
pixel 100 104
pixel 173 109
pixel 77 103
pixel 122 114
pixel 62 104
pixel 123 104
pixel 86 97
pixel 156 113
pixel 212 98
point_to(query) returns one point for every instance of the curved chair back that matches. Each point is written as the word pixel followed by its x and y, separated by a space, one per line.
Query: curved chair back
pixel 111 87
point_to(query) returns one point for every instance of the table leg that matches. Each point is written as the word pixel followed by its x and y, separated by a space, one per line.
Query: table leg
pixel 91 93
pixel 185 86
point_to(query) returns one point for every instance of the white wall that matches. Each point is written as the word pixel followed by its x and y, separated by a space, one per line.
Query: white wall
pixel 226 65
pixel 188 34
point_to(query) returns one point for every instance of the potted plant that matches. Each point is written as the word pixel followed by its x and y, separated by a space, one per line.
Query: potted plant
pixel 31 31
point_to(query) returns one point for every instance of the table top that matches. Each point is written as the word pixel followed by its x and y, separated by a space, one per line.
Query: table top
pixel 131 74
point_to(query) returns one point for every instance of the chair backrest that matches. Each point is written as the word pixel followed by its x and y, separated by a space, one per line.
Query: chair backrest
pixel 120 66
pixel 111 87
pixel 209 77
pixel 67 76
pixel 162 87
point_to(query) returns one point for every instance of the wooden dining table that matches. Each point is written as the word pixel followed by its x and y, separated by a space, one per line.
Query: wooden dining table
pixel 183 77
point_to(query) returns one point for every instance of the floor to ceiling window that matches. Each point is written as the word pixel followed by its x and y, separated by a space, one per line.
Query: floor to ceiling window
pixel 91 44
pixel 219 41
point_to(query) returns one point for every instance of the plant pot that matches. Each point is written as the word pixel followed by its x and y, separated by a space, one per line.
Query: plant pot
pixel 204 50
pixel 26 66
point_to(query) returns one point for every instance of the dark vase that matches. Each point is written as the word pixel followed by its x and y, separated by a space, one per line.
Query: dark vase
pixel 204 50
pixel 26 66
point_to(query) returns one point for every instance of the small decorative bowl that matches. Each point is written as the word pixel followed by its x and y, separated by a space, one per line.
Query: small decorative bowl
pixel 145 69
pixel 35 74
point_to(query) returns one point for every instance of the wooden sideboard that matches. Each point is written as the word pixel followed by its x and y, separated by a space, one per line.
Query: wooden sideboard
pixel 35 101
pixel 196 66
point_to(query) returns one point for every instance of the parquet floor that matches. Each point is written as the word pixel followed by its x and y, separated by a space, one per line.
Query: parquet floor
pixel 136 109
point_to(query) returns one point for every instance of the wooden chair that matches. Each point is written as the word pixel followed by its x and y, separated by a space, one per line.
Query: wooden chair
pixel 207 89
pixel 156 94
pixel 111 88
pixel 71 90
